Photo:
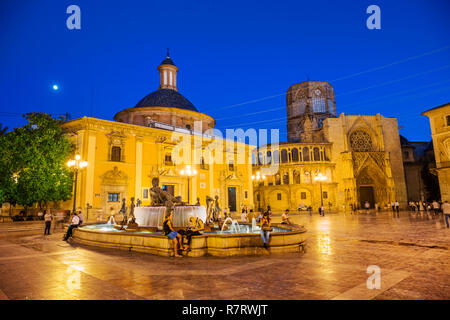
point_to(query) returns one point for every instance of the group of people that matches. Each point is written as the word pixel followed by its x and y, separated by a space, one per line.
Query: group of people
pixel 429 206
pixel 182 239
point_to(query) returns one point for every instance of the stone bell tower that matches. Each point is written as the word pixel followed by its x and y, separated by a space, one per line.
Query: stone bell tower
pixel 308 104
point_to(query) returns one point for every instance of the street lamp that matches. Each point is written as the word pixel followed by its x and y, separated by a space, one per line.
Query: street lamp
pixel 256 178
pixel 319 177
pixel 189 173
pixel 75 165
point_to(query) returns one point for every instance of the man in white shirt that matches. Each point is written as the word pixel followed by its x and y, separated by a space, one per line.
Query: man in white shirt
pixel 74 224
pixel 435 207
pixel 285 217
pixel 446 211
pixel 48 222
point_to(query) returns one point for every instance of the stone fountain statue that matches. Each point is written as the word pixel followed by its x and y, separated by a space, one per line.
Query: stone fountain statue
pixel 217 210
pixel 160 197
pixel 209 209
pixel 132 221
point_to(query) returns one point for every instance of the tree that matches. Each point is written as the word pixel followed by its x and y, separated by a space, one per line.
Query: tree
pixel 36 162
pixel 6 167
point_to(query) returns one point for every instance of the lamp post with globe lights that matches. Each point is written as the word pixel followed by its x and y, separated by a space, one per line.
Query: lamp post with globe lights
pixel 257 178
pixel 76 165
pixel 189 173
pixel 321 178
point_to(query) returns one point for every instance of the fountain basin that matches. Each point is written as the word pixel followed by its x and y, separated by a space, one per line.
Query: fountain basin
pixel 216 243
pixel 154 216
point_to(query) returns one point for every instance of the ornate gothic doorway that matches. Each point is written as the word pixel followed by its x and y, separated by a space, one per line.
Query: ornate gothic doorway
pixel 366 193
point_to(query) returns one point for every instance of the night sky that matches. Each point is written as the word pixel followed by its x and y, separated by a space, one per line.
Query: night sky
pixel 236 58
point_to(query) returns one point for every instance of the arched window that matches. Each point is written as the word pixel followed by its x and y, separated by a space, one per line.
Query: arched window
pixel 277 179
pixel 269 157
pixel 260 158
pixel 294 155
pixel 284 157
pixel 316 154
pixel 276 156
pixel 168 159
pixel 305 154
pixel 286 178
pixel 116 153
pixel 360 141
pixel 296 176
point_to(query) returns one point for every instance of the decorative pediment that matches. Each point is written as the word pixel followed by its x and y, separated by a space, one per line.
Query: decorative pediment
pixel 114 177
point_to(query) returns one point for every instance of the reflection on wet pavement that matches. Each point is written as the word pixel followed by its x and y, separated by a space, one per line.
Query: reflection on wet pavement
pixel 412 253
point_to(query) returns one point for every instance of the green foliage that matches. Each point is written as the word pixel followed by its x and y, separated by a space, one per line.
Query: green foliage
pixel 33 162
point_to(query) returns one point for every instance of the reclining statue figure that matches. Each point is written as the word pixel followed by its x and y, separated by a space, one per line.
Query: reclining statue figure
pixel 160 197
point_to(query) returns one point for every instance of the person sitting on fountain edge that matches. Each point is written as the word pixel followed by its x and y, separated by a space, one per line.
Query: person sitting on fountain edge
pixel 195 226
pixel 74 224
pixel 285 217
pixel 265 228
pixel 172 234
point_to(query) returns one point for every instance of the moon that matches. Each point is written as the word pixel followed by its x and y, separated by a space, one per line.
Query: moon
pixel 55 87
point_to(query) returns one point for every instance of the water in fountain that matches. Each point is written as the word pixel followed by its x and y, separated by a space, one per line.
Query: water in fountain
pixel 111 220
pixel 225 222
pixel 253 224
pixel 234 225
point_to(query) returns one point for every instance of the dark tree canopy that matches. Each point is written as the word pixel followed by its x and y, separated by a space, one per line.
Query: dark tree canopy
pixel 33 162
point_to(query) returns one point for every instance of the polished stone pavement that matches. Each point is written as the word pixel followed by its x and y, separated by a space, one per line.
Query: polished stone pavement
pixel 412 253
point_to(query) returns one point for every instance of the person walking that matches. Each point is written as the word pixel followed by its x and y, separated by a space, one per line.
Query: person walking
pixel 397 208
pixel 446 212
pixel 367 206
pixel 393 206
pixel 48 222
pixel 73 224
pixel 265 225
pixel 435 207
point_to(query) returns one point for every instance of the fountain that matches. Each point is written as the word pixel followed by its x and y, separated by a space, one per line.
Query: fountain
pixel 111 220
pixel 143 231
pixel 254 226
pixel 234 225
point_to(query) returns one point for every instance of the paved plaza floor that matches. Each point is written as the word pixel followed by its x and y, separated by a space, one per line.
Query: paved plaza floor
pixel 412 253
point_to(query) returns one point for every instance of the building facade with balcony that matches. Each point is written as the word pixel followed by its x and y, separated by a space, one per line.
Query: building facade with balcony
pixel 359 155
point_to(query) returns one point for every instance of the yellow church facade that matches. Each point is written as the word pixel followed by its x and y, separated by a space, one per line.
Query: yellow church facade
pixel 158 138
pixel 440 131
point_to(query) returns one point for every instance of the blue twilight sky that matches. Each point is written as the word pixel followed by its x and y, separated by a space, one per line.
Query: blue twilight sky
pixel 236 58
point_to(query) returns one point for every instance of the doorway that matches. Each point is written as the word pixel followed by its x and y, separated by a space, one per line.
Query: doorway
pixel 232 199
pixel 366 194
pixel 170 188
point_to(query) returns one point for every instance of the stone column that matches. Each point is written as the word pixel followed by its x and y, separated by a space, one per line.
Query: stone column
pixel 138 174
pixel 89 182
